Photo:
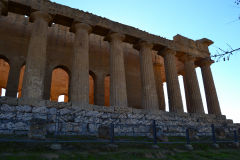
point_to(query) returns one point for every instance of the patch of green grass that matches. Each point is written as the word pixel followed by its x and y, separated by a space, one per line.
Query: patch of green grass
pixel 125 151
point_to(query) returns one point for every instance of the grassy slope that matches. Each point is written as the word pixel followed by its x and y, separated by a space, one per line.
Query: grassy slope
pixel 91 151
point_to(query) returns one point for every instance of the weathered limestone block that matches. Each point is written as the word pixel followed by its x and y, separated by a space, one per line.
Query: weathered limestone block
pixel 105 115
pixel 24 116
pixel 31 102
pixel 193 133
pixel 66 127
pixel 92 114
pixel 92 128
pixel 159 133
pixel 52 104
pixel 66 118
pixel 7 108
pixel 103 109
pixel 64 111
pixel 8 115
pixel 122 109
pixel 52 111
pixel 10 126
pixel 2 126
pixel 220 133
pixel 38 129
pixel 24 108
pixel 51 128
pixel 9 100
pixel 78 108
pixel 41 110
pixel 141 129
pixel 104 132
pixel 40 116
pixel 87 122
pixel 21 126
pixel 52 118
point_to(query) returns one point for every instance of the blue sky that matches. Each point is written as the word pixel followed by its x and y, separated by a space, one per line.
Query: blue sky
pixel 213 19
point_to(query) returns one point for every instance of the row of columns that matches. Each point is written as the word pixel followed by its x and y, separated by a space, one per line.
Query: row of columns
pixel 152 89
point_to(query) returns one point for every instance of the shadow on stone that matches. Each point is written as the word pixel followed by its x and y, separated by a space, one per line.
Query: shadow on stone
pixel 104 132
pixel 220 133
pixel 193 133
pixel 38 129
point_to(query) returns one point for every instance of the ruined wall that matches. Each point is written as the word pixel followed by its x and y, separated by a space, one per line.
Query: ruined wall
pixel 85 120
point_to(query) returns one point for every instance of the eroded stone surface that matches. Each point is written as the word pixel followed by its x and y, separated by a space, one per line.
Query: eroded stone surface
pixel 81 121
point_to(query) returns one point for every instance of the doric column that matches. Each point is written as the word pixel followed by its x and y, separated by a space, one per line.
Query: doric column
pixel 13 78
pixel 173 87
pixel 118 89
pixel 149 92
pixel 3 7
pixel 209 86
pixel 99 90
pixel 186 93
pixel 33 81
pixel 79 87
pixel 159 85
pixel 192 86
pixel 47 83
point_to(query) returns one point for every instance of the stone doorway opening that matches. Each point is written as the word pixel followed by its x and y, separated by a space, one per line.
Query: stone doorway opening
pixel 4 71
pixel 59 84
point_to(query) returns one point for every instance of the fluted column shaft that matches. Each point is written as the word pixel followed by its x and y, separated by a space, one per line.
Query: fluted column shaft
pixel 33 81
pixel 173 87
pixel 1 8
pixel 79 88
pixel 118 89
pixel 159 86
pixel 209 86
pixel 192 86
pixel 149 92
pixel 13 79
pixel 186 94
pixel 47 83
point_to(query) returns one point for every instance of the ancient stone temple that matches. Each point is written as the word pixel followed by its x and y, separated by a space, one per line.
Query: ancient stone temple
pixel 49 50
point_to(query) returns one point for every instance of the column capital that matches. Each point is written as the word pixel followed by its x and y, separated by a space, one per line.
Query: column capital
pixel 166 51
pixel 80 26
pixel 114 36
pixel 143 44
pixel 41 15
pixel 204 62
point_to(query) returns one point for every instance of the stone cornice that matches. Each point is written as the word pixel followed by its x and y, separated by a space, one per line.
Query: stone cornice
pixel 66 16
